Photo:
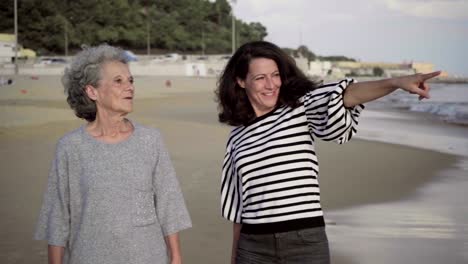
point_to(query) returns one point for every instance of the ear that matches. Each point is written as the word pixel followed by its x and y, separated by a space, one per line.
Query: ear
pixel 240 82
pixel 91 92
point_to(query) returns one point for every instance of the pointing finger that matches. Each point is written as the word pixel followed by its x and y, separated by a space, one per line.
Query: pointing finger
pixel 430 75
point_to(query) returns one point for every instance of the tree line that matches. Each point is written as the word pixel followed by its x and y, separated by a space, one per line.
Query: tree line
pixel 186 26
pixel 303 51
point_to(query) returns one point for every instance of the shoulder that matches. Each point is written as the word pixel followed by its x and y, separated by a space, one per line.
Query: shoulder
pixel 232 137
pixel 147 130
pixel 148 135
pixel 72 138
pixel 328 89
pixel 342 83
pixel 236 131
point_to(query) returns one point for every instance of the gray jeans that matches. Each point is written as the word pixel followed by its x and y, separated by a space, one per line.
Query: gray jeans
pixel 301 246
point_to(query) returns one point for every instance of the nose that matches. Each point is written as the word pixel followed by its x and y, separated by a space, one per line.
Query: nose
pixel 269 84
pixel 130 86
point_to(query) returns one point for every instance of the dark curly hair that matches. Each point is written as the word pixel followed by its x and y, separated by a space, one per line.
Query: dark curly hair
pixel 233 104
pixel 85 69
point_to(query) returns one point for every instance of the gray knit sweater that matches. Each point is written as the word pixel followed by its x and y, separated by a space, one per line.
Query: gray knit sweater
pixel 112 203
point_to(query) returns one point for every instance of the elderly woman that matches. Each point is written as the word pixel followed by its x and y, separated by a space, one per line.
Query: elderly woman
pixel 112 194
pixel 270 188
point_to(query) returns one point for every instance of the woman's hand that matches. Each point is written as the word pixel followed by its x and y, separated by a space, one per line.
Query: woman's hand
pixel 415 84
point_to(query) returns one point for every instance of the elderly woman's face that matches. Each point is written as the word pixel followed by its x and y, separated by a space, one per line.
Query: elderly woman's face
pixel 115 90
pixel 262 85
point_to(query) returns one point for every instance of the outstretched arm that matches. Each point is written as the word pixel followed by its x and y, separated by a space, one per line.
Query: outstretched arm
pixel 359 93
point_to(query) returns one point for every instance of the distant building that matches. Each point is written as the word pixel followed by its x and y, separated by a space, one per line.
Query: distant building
pixel 302 63
pixel 351 68
pixel 422 67
pixel 8 38
pixel 7 52
pixel 444 74
pixel 319 68
pixel 7 49
pixel 339 69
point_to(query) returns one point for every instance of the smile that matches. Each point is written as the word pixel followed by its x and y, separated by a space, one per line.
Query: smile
pixel 269 93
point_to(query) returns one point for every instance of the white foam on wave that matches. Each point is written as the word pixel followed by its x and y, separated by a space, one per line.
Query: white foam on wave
pixel 448 102
pixel 409 130
pixel 451 112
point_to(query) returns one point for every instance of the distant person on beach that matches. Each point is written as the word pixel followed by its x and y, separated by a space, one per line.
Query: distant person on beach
pixel 112 193
pixel 5 81
pixel 269 187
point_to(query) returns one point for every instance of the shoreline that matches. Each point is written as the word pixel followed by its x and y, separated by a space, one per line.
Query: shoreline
pixel 421 130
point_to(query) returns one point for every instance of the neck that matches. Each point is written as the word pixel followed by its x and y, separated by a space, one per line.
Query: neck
pixel 106 125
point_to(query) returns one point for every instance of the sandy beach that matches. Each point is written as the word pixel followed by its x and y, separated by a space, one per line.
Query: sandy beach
pixel 397 194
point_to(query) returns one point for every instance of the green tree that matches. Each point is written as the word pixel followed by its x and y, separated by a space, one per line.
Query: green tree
pixel 252 32
pixel 7 22
pixel 305 52
pixel 175 25
pixel 377 71
pixel 335 58
pixel 301 51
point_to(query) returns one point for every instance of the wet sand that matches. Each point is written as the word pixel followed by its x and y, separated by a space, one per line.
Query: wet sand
pixel 368 188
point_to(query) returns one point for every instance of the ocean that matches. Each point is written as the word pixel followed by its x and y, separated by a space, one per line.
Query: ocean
pixel 448 102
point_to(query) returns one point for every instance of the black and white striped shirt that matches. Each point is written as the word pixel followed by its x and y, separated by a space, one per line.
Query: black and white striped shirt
pixel 270 168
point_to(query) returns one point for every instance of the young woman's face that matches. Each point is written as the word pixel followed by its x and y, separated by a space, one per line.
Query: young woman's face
pixel 115 90
pixel 262 85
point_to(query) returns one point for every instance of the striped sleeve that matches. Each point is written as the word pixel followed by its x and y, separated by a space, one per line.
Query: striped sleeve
pixel 231 201
pixel 327 116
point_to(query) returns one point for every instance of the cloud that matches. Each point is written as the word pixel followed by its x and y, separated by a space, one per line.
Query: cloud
pixel 446 9
pixel 372 30
pixel 293 12
pixel 252 10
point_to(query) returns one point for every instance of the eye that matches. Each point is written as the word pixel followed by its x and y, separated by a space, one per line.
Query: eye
pixel 131 80
pixel 118 81
pixel 259 78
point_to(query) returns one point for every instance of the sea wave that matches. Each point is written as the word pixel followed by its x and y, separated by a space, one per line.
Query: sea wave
pixel 450 112
pixel 448 102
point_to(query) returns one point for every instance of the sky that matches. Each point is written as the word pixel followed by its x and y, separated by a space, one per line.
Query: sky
pixel 434 31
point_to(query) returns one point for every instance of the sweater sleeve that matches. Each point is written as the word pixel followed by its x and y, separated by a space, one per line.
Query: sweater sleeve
pixel 327 116
pixel 231 198
pixel 171 210
pixel 53 224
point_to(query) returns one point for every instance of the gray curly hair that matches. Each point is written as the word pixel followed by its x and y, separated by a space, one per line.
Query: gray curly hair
pixel 85 69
